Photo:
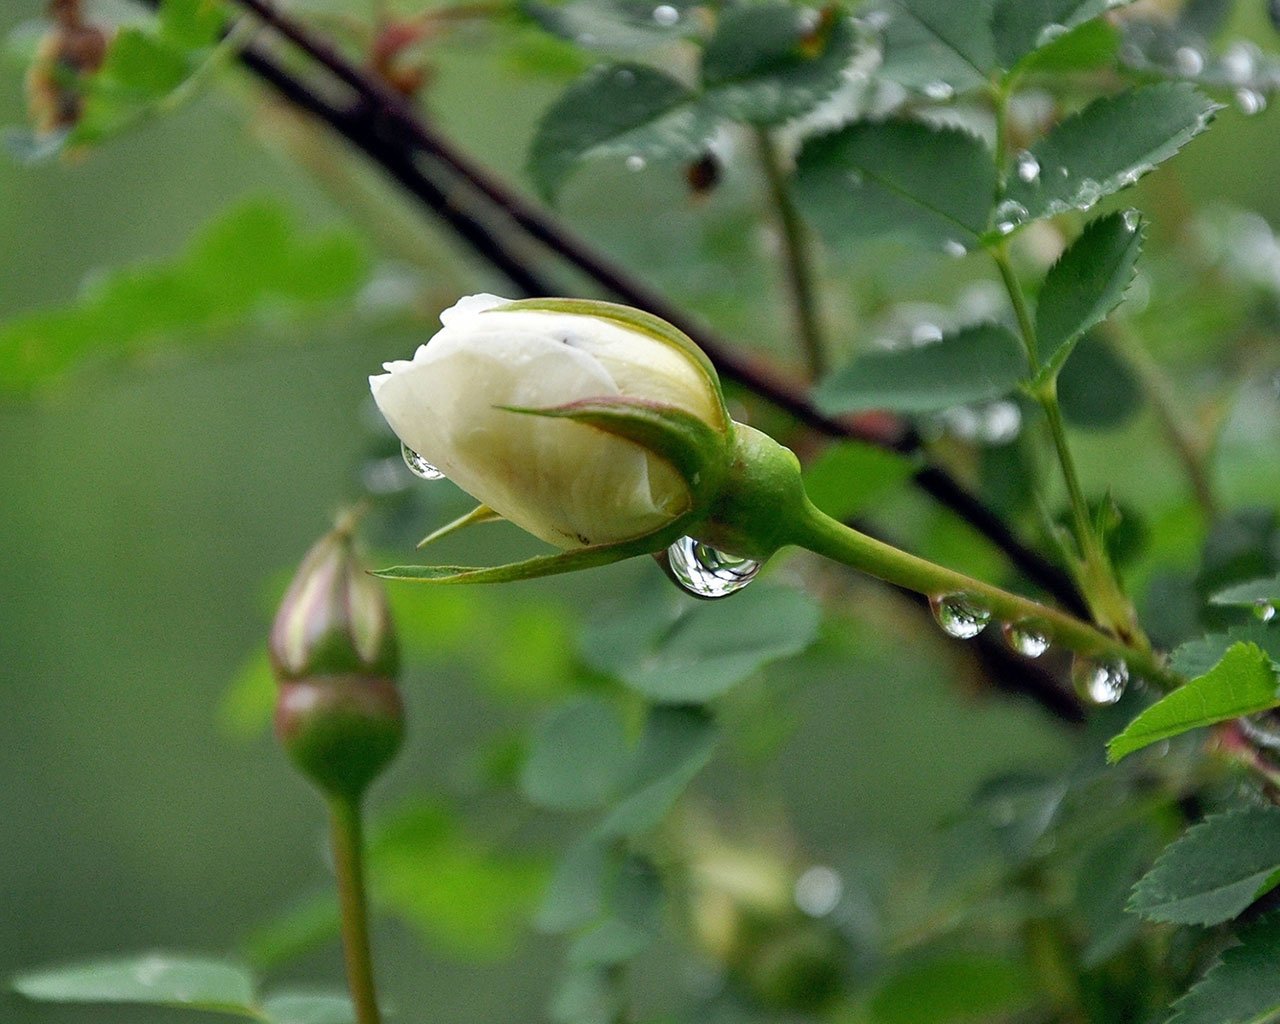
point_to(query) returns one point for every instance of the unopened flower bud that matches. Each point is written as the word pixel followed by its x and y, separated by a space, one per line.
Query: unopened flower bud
pixel 338 714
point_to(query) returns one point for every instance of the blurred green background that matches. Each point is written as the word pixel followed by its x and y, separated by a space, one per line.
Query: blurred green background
pixel 146 510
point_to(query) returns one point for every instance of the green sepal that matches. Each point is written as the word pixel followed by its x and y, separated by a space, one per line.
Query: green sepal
pixel 695 450
pixel 543 565
pixel 634 320
pixel 479 514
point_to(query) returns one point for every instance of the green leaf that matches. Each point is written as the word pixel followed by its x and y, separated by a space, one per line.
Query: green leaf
pixel 614 25
pixel 249 701
pixel 576 892
pixel 156 979
pixel 455 890
pixel 1215 870
pixel 1023 26
pixel 617 110
pixel 681 650
pixel 301 1008
pixel 1096 387
pixel 963 30
pixel 1253 594
pixel 1196 657
pixel 1106 875
pixel 675 746
pixel 252 261
pixel 1243 987
pixel 851 477
pixel 1243 683
pixel 897 177
pixel 773 61
pixel 576 755
pixel 1106 147
pixel 1086 283
pixel 953 987
pixel 1085 48
pixel 293 932
pixel 976 363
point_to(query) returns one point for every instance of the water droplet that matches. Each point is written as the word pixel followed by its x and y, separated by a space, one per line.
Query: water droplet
pixel 818 891
pixel 1264 611
pixel 938 91
pixel 1188 61
pixel 705 572
pixel 419 466
pixel 1049 33
pixel 1009 214
pixel 666 15
pixel 1028 167
pixel 925 334
pixel 954 248
pixel 1001 422
pixel 959 615
pixel 1027 638
pixel 1239 63
pixel 1099 682
pixel 854 178
pixel 1088 192
pixel 1132 219
pixel 625 76
pixel 1250 102
pixel 635 162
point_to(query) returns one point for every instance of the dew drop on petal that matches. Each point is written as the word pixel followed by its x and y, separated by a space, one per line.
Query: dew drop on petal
pixel 1026 638
pixel 419 466
pixel 959 615
pixel 1099 682
pixel 1028 167
pixel 705 572
pixel 1264 611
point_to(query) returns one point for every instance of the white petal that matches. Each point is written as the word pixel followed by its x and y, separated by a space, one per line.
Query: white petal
pixel 470 305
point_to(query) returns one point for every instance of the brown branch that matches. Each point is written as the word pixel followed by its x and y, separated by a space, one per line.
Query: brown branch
pixel 390 131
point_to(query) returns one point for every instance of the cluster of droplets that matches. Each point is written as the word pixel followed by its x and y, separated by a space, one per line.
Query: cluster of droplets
pixel 962 616
pixel 705 572
pixel 419 466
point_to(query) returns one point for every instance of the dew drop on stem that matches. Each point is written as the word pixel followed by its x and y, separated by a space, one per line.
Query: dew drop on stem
pixel 959 615
pixel 419 466
pixel 1099 682
pixel 1026 638
pixel 705 572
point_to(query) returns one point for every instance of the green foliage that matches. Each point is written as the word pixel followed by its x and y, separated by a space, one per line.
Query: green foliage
pixel 251 262
pixel 576 755
pixel 1196 657
pixel 1108 872
pixel 1021 27
pixel 850 478
pixel 1087 282
pixel 1242 683
pixel 1253 594
pixel 181 981
pixel 1243 987
pixel 897 177
pixel 953 987
pixel 984 361
pixel 1215 870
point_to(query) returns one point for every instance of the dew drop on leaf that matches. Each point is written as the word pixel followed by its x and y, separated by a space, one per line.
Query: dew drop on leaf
pixel 635 162
pixel 705 572
pixel 959 615
pixel 666 15
pixel 1250 102
pixel 1026 638
pixel 1264 611
pixel 1028 167
pixel 419 466
pixel 1099 682
pixel 1188 61
pixel 938 91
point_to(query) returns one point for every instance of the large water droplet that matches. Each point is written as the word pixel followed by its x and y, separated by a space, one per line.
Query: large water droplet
pixel 1250 102
pixel 938 91
pixel 818 891
pixel 959 615
pixel 1028 167
pixel 1188 61
pixel 1239 63
pixel 1264 611
pixel 1099 682
pixel 705 572
pixel 419 466
pixel 666 15
pixel 1027 638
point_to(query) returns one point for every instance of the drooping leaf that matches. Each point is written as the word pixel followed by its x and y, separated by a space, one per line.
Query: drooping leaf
pixel 897 177
pixel 953 987
pixel 1108 146
pixel 677 650
pixel 1243 987
pixel 1242 683
pixel 851 477
pixel 157 979
pixel 1215 870
pixel 976 363
pixel 576 755
pixel 1023 26
pixel 770 62
pixel 1196 657
pixel 675 746
pixel 304 1008
pixel 631 111
pixel 1086 283
pixel 251 261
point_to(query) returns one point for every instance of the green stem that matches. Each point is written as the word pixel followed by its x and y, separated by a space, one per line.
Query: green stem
pixel 799 267
pixel 348 858
pixel 818 532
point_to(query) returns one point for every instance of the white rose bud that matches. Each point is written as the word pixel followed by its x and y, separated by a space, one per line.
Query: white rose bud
pixel 569 475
